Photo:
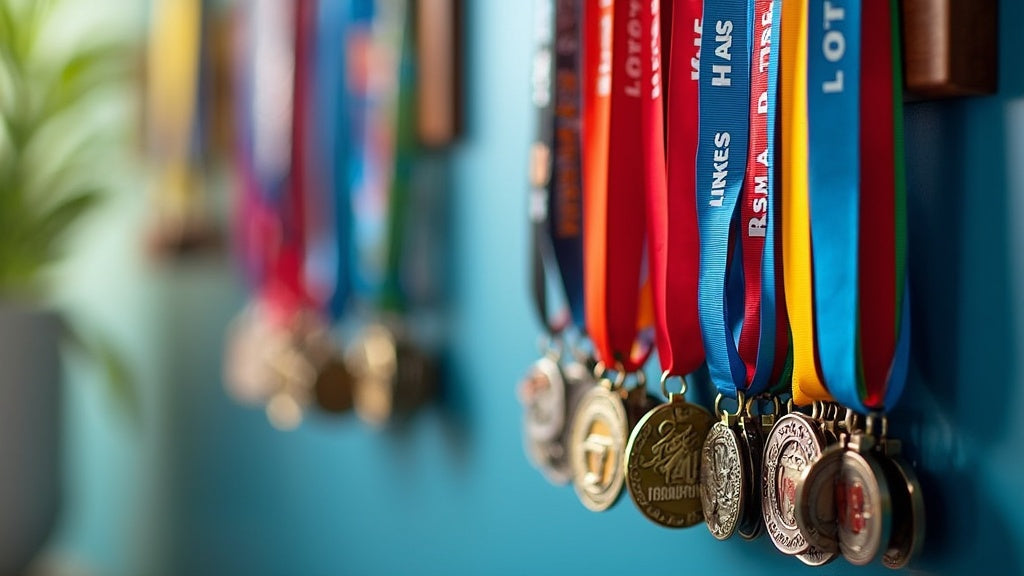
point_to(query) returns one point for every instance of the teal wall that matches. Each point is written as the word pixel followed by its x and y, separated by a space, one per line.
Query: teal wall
pixel 202 486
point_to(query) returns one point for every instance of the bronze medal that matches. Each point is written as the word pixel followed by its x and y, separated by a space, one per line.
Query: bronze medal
pixel 663 462
pixel 333 387
pixel 864 510
pixel 723 485
pixel 392 377
pixel 907 512
pixel 792 445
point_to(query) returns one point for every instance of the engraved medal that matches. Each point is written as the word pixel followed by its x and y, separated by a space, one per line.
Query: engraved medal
pixel 793 444
pixel 663 462
pixel 863 508
pixel 723 487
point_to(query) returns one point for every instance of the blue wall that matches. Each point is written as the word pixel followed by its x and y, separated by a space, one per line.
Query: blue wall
pixel 206 487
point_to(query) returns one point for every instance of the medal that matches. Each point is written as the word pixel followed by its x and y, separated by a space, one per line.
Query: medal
pixel 663 461
pixel 792 445
pixel 753 429
pixel 598 436
pixel 393 376
pixel 908 511
pixel 724 484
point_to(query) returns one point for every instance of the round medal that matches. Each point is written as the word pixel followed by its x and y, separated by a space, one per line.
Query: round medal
pixel 543 395
pixel 597 445
pixel 863 508
pixel 333 386
pixel 663 462
pixel 373 359
pixel 793 444
pixel 816 502
pixel 907 512
pixel 723 487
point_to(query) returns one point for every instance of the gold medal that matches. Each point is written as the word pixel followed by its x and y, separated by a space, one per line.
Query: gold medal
pixel 663 462
pixel 724 485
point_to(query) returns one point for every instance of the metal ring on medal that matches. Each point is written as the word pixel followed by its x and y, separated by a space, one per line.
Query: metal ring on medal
pixel 816 501
pixel 597 445
pixel 543 396
pixel 722 482
pixel 908 514
pixel 863 508
pixel 792 445
pixel 663 463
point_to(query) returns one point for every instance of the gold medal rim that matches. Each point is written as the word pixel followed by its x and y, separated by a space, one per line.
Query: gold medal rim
pixel 769 488
pixel 721 429
pixel 881 514
pixel 599 393
pixel 631 460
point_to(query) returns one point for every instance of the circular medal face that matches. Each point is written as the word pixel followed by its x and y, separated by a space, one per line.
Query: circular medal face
pixel 333 387
pixel 723 487
pixel 250 340
pixel 597 445
pixel 816 502
pixel 863 507
pixel 542 394
pixel 663 463
pixel 751 525
pixel 373 360
pixel 907 512
pixel 792 445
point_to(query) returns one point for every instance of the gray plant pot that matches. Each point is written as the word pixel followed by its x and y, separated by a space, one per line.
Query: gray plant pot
pixel 30 400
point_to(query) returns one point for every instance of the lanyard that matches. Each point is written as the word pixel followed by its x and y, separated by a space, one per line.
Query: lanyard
pixel 380 83
pixel 285 289
pixel 721 168
pixel 763 343
pixel 556 211
pixel 672 215
pixel 796 232
pixel 328 246
pixel 622 91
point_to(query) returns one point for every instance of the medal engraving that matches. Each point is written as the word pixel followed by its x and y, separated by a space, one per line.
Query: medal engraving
pixel 816 501
pixel 663 463
pixel 597 444
pixel 793 444
pixel 863 507
pixel 722 483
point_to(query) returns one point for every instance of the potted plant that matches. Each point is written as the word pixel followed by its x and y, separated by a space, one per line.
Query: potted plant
pixel 54 165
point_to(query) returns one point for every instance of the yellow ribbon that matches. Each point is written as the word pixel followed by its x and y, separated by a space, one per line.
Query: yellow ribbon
pixel 796 223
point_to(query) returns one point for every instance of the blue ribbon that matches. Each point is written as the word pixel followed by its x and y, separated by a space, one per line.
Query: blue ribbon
pixel 834 195
pixel 721 167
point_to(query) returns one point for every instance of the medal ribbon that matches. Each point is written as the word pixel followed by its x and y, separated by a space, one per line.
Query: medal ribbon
pixel 763 342
pixel 721 169
pixel 380 82
pixel 556 209
pixel 621 97
pixel 326 270
pixel 672 212
pixel 855 257
pixel 796 224
pixel 285 289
